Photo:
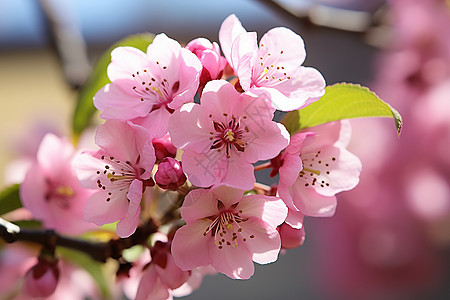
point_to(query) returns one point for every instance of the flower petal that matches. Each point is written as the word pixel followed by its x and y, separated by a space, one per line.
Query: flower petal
pixel 190 247
pixel 198 204
pixel 189 128
pixel 124 62
pixel 206 169
pixel 230 29
pixel 129 223
pixel 235 262
pixel 265 244
pixel 310 203
pixel 100 211
pixel 271 210
pixel 288 54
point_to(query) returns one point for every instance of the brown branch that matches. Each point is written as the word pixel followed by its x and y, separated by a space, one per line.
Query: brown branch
pixel 99 251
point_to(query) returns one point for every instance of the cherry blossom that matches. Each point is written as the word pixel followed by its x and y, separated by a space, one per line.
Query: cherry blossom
pixel 225 134
pixel 119 170
pixel 314 168
pixel 51 190
pixel 228 231
pixel 274 67
pixel 148 87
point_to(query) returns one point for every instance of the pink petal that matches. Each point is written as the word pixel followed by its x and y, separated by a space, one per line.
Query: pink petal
pixel 271 210
pixel 295 219
pixel 265 244
pixel 235 262
pixel 55 154
pixel 172 276
pixel 227 194
pixel 189 128
pixel 243 51
pixel 239 173
pixel 32 192
pixel 189 70
pixel 267 141
pixel 190 247
pixel 100 211
pixel 128 224
pixel 310 203
pixel 204 170
pixel 198 204
pixel 121 139
pixel 156 122
pixel 86 165
pixel 125 61
pixel 219 97
pixel 230 29
pixel 287 54
pixel 150 287
pixel 115 103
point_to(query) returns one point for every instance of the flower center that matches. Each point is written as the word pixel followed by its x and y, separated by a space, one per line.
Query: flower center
pixel 59 194
pixel 152 88
pixel 117 175
pixel 225 226
pixel 267 72
pixel 316 169
pixel 228 136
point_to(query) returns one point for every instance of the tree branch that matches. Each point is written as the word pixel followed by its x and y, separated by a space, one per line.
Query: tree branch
pixel 99 251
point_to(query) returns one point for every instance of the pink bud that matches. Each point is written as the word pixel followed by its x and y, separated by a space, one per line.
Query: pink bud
pixel 209 54
pixel 291 237
pixel 41 279
pixel 170 174
pixel 164 147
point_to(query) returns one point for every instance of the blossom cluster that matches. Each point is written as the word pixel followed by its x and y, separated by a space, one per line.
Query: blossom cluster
pixel 156 137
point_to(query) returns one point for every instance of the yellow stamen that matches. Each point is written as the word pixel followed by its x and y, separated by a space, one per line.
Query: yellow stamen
pixel 65 191
pixel 230 135
pixel 158 91
pixel 317 172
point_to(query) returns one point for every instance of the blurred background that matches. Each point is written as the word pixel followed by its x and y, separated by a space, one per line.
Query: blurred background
pixel 390 237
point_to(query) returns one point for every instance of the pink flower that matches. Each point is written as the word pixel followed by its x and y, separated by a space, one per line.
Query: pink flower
pixel 224 135
pixel 274 67
pixel 120 171
pixel 151 85
pixel 228 231
pixel 51 190
pixel 209 54
pixel 314 168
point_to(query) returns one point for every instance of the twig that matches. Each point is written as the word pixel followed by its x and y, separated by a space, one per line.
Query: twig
pixel 99 251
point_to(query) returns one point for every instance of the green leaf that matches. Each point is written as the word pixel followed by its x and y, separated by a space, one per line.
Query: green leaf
pixel 341 101
pixel 10 199
pixel 94 268
pixel 85 108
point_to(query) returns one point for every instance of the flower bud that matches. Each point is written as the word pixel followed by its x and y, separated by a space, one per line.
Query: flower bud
pixel 41 279
pixel 291 237
pixel 209 54
pixel 164 147
pixel 170 174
